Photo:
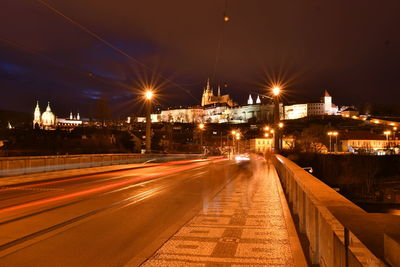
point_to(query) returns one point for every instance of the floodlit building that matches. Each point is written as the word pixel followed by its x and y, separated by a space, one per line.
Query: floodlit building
pixel 349 112
pixel 265 145
pixel 209 98
pixel 367 142
pixel 48 120
pixel 325 107
pixel 220 109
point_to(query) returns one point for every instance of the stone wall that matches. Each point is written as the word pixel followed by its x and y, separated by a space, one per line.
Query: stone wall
pixel 330 221
pixel 10 166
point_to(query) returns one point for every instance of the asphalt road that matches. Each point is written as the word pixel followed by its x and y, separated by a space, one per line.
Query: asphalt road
pixel 106 219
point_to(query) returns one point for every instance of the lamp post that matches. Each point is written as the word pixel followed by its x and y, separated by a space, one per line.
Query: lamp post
pixel 330 134
pixel 233 132
pixel 330 141
pixel 335 134
pixel 237 141
pixel 148 97
pixel 201 128
pixel 387 133
pixel 276 92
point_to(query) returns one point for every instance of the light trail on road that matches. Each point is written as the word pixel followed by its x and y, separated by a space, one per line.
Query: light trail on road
pixel 100 188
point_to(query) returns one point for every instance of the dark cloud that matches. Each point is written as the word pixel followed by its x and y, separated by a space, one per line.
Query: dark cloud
pixel 350 48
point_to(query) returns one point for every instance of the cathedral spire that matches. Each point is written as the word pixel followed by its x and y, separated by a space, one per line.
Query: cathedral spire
pixel 219 90
pixel 48 107
pixel 250 100
pixel 208 84
pixel 258 101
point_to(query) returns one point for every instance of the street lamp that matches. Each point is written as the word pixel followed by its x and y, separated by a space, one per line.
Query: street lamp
pixel 280 125
pixel 233 132
pixel 387 133
pixel 276 91
pixel 237 141
pixel 330 134
pixel 335 134
pixel 201 128
pixel 148 95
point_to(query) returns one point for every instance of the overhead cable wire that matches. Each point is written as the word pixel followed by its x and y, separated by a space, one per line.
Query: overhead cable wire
pixel 107 43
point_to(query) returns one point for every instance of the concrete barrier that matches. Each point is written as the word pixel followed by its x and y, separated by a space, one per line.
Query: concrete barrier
pixel 10 166
pixel 331 242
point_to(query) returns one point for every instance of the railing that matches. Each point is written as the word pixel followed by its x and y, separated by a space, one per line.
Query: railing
pixel 10 166
pixel 331 243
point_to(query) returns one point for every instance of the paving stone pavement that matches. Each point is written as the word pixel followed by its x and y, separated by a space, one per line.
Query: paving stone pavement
pixel 244 225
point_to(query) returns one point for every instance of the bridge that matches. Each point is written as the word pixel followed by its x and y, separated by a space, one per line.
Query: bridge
pixel 182 210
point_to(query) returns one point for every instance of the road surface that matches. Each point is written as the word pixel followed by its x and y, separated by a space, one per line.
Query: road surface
pixel 106 219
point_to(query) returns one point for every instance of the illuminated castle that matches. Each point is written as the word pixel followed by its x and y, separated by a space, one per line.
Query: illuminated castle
pixel 208 97
pixel 324 107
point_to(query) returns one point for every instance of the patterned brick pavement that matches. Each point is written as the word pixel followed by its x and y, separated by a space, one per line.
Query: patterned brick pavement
pixel 244 225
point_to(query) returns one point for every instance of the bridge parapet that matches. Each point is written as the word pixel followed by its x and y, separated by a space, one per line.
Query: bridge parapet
pixel 327 219
pixel 10 166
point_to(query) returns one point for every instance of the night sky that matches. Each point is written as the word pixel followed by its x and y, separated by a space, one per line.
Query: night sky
pixel 349 47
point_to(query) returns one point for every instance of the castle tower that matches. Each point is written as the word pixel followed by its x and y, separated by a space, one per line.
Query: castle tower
pixel 250 100
pixel 327 103
pixel 37 116
pixel 258 101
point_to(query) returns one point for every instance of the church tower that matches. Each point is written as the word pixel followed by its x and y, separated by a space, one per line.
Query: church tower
pixel 36 116
pixel 250 100
pixel 327 103
pixel 207 94
pixel 258 101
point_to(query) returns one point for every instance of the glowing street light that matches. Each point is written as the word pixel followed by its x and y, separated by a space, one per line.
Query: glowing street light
pixel 276 90
pixel 201 127
pixel 280 125
pixel 237 136
pixel 330 134
pixel 387 133
pixel 148 95
pixel 266 134
pixel 266 128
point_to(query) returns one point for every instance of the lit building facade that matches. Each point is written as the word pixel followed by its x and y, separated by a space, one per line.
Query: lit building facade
pixel 219 109
pixel 356 141
pixel 48 120
pixel 208 97
pixel 265 145
pixel 325 107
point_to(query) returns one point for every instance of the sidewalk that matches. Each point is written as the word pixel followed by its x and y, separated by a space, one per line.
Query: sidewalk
pixel 247 224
